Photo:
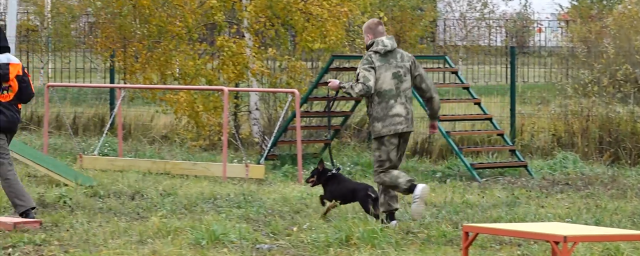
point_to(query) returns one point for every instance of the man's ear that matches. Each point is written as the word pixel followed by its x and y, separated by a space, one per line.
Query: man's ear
pixel 321 164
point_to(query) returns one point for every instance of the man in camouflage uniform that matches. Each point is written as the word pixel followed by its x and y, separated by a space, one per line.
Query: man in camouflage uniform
pixel 385 78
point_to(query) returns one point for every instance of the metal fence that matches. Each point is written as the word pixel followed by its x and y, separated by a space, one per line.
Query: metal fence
pixel 480 48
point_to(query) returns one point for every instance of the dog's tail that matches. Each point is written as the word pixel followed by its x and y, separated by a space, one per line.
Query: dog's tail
pixel 375 200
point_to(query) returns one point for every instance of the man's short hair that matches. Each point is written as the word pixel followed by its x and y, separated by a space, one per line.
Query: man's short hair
pixel 374 27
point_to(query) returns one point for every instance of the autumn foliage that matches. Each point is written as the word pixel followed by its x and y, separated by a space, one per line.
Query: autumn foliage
pixel 198 42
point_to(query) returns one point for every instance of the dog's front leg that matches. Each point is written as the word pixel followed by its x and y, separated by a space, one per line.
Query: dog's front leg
pixel 322 200
pixel 330 207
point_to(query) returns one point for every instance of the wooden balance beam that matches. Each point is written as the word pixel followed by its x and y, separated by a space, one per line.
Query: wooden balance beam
pixel 170 167
pixel 555 233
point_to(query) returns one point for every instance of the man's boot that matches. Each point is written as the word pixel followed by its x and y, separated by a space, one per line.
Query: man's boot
pixel 27 214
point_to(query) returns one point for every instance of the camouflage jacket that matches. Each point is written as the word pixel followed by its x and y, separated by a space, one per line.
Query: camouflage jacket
pixel 385 77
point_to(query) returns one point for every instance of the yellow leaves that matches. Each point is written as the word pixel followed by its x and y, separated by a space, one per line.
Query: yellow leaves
pixel 607 47
pixel 201 42
pixel 381 16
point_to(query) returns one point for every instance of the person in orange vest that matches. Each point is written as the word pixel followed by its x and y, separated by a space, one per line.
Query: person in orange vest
pixel 16 89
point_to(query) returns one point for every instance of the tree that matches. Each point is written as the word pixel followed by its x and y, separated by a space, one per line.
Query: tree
pixel 409 21
pixel 153 39
pixel 519 29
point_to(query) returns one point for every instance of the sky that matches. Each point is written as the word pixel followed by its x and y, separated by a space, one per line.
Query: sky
pixel 540 7
pixel 547 6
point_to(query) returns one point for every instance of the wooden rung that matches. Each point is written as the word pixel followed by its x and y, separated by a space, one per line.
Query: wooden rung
pixel 304 155
pixel 325 113
pixel 293 142
pixel 329 98
pixel 351 69
pixel 475 132
pixel 438 85
pixel 471 117
pixel 314 127
pixel 440 69
pixel 486 148
pixel 451 85
pixel 497 165
pixel 272 157
pixel 12 223
pixel 474 101
pixel 343 69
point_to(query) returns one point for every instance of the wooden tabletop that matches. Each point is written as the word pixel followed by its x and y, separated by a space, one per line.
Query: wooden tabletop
pixel 555 231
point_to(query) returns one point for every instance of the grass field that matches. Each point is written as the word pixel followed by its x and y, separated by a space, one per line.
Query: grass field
pixel 130 213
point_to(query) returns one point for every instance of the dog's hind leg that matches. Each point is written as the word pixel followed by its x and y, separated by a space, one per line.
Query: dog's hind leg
pixel 370 207
pixel 330 207
pixel 375 203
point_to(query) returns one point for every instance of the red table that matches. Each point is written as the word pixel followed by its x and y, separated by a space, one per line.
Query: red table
pixel 558 234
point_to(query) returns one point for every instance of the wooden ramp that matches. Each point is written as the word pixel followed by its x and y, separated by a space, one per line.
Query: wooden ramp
pixel 48 165
pixel 558 234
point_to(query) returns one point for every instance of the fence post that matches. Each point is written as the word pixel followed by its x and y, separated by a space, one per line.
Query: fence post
pixel 112 80
pixel 512 91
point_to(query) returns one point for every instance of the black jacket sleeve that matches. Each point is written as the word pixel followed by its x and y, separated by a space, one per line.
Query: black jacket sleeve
pixel 25 88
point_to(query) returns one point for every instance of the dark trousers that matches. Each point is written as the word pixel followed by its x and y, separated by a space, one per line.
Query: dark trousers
pixel 13 188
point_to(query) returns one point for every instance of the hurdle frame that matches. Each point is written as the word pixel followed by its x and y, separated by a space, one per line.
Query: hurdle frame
pixel 225 123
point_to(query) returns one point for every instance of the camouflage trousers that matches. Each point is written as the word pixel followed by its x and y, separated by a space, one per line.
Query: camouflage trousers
pixel 388 152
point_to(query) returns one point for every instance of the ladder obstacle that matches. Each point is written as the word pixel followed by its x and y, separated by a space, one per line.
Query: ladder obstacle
pixel 331 67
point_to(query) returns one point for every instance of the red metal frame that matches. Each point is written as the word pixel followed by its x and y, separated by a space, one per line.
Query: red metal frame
pixel 560 244
pixel 225 118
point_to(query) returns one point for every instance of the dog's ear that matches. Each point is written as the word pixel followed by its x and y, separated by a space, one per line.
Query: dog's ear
pixel 321 164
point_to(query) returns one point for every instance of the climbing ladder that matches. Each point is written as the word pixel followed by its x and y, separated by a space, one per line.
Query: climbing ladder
pixel 316 94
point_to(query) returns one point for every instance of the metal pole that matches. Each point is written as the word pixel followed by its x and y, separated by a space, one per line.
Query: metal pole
pixel 47 7
pixel 120 132
pixel 12 22
pixel 512 91
pixel 112 80
pixel 45 122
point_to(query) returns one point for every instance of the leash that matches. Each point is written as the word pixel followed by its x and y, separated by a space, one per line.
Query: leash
pixel 327 109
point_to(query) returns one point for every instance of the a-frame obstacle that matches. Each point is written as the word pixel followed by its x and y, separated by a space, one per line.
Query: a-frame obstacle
pixel 316 94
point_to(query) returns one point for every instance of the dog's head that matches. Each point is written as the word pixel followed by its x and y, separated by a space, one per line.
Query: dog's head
pixel 318 174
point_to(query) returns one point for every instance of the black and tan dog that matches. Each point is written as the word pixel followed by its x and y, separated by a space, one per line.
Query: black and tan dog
pixel 340 190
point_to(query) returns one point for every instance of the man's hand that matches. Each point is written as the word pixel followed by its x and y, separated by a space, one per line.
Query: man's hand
pixel 334 84
pixel 433 127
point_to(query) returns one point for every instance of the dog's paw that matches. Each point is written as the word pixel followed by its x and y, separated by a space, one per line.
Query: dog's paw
pixel 322 202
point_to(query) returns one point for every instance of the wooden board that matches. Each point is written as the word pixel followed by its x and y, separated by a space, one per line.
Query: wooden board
pixel 169 167
pixel 11 223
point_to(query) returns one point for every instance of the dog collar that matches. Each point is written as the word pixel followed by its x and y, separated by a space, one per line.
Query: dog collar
pixel 335 170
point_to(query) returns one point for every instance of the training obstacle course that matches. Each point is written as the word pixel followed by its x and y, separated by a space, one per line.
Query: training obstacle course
pixel 120 163
pixel 557 234
pixel 314 94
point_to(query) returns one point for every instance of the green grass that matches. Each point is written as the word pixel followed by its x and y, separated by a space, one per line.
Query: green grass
pixel 130 213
